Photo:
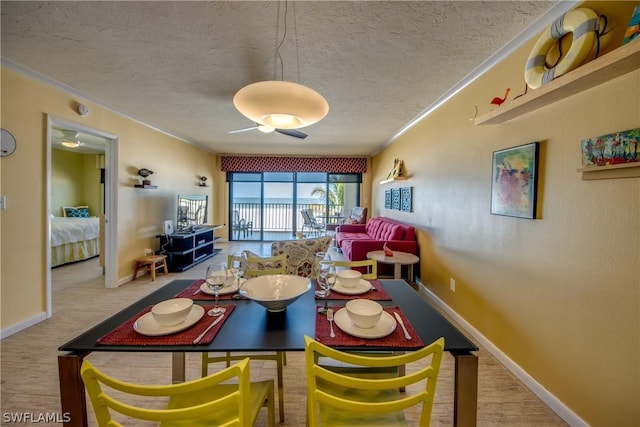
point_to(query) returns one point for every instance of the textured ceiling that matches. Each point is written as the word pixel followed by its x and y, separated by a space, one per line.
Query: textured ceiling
pixel 176 65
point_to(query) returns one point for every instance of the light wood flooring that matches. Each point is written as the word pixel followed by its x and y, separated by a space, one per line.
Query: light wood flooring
pixel 29 376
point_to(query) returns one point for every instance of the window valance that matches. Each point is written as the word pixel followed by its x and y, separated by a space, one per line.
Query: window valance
pixel 293 164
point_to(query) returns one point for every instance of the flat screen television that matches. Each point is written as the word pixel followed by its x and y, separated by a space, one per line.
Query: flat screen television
pixel 192 212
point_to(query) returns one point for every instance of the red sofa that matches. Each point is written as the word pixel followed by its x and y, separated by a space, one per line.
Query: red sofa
pixel 355 240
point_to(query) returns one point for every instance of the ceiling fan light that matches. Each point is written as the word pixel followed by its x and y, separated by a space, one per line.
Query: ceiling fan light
pixel 71 144
pixel 281 105
pixel 265 128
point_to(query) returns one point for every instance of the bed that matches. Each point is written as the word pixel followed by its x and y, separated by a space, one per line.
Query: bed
pixel 74 239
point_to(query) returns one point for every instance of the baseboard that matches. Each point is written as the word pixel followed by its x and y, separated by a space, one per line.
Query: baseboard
pixel 536 388
pixel 15 328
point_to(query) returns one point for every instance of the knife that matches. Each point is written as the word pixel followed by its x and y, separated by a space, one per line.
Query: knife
pixel 406 333
pixel 214 323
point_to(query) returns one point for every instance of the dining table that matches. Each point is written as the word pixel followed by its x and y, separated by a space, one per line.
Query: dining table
pixel 249 327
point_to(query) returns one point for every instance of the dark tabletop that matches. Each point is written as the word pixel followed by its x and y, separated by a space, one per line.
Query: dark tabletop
pixel 251 328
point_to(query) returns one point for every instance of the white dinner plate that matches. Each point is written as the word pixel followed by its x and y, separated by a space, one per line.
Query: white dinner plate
pixel 228 288
pixel 384 327
pixel 361 288
pixel 147 325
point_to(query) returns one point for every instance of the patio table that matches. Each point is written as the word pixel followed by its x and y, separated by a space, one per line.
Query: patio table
pixel 270 332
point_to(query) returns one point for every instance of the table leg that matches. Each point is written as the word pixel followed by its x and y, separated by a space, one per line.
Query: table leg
pixel 178 371
pixel 397 271
pixel 465 401
pixel 72 396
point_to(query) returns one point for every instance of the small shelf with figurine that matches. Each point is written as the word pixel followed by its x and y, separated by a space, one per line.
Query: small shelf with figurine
pixel 397 174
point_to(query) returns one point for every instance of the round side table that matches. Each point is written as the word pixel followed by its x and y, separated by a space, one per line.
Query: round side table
pixel 398 260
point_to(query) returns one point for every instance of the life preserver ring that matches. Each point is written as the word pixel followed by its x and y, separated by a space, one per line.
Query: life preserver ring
pixel 583 23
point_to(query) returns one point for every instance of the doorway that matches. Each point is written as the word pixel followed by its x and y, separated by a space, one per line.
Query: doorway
pixel 101 146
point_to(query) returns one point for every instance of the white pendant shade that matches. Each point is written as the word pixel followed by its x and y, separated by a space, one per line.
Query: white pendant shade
pixel 281 105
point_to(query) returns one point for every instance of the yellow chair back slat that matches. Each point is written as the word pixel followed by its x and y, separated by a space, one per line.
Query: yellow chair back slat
pixel 370 264
pixel 260 266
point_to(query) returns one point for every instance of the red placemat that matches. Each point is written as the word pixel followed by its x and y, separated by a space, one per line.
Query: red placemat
pixel 126 335
pixel 191 292
pixel 342 339
pixel 378 294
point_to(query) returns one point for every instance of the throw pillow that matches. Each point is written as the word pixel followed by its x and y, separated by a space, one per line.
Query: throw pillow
pixel 301 254
pixel 76 212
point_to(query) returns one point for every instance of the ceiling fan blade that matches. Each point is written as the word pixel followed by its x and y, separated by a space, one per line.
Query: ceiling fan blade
pixel 292 132
pixel 243 130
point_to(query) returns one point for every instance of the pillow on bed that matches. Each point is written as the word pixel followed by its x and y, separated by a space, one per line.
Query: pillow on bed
pixel 76 212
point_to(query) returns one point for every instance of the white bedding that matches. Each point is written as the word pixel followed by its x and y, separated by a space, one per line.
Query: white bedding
pixel 71 230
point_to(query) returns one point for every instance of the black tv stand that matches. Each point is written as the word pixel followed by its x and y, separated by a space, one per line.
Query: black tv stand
pixel 185 249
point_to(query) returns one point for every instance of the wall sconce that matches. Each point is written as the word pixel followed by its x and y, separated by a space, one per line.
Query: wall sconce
pixel 203 181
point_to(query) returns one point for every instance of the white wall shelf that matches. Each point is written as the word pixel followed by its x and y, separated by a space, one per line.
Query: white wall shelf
pixel 622 170
pixel 622 60
pixel 398 178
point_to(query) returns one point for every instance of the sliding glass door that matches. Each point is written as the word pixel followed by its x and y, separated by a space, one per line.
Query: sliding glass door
pixel 269 206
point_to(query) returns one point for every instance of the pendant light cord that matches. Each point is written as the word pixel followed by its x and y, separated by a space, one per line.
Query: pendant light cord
pixel 280 41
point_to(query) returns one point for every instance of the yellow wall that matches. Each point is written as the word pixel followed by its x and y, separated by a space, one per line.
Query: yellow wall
pixel 559 295
pixel 75 181
pixel 25 105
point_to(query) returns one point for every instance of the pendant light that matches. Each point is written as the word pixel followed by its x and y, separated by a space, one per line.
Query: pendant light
pixel 281 104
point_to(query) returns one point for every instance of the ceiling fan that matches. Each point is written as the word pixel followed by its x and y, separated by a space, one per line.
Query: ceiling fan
pixel 268 129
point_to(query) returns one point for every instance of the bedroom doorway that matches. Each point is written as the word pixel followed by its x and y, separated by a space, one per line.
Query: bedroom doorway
pixel 88 179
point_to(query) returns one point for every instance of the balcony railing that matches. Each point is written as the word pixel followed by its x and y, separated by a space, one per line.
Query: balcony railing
pixel 278 217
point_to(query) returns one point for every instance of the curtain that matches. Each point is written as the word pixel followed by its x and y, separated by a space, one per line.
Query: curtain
pixel 294 164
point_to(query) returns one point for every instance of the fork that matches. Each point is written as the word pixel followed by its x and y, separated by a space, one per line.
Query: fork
pixel 330 319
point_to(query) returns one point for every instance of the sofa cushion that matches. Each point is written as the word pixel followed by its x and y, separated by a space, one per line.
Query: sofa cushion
pixel 381 229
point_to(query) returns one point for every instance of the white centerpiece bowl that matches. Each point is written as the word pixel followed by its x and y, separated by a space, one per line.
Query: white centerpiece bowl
pixel 275 291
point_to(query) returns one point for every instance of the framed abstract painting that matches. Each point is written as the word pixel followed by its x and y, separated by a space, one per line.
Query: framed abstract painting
pixel 514 181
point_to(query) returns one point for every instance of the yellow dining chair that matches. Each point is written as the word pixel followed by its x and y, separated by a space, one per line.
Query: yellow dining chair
pixel 259 266
pixel 201 402
pixel 338 399
pixel 371 266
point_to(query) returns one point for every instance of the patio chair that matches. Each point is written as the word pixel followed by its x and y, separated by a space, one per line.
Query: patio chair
pixel 241 225
pixel 204 401
pixel 311 223
pixel 339 399
pixel 358 216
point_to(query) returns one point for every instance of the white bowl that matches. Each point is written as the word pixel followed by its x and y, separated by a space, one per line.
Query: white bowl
pixel 275 291
pixel 349 278
pixel 172 311
pixel 364 313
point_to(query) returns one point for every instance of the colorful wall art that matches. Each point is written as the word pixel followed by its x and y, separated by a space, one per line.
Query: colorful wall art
pixel 612 149
pixel 514 181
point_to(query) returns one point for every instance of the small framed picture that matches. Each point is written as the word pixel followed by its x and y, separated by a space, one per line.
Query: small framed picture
pixel 514 181
pixel 395 199
pixel 387 199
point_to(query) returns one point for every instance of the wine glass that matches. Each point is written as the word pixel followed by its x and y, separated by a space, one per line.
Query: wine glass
pixel 216 278
pixel 326 280
pixel 237 266
pixel 320 256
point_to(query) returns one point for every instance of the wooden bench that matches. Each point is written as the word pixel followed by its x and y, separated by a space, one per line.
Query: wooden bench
pixel 153 263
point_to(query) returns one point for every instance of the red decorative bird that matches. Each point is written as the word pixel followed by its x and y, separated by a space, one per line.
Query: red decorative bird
pixel 498 101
